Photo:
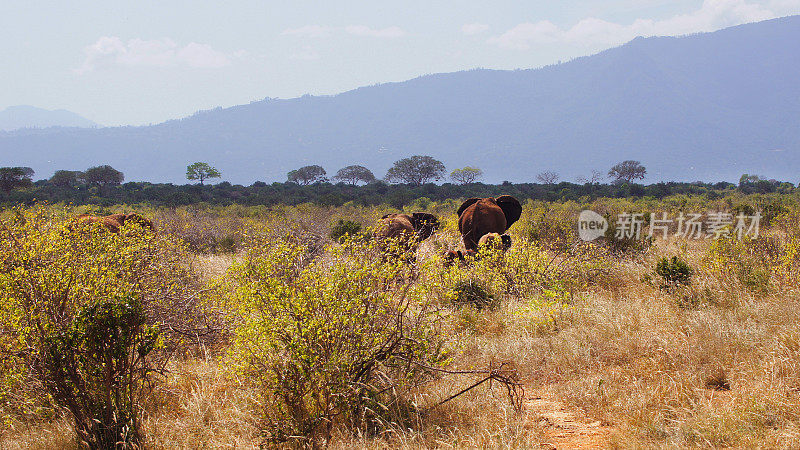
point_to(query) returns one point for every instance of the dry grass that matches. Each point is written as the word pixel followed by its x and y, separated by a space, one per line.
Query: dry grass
pixel 199 407
pixel 721 370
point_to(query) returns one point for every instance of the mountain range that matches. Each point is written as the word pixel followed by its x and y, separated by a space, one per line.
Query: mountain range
pixel 708 107
pixel 24 116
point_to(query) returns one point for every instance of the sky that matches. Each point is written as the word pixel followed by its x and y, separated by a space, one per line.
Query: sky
pixel 124 62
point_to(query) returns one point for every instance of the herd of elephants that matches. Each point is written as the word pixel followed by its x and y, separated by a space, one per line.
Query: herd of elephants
pixel 481 221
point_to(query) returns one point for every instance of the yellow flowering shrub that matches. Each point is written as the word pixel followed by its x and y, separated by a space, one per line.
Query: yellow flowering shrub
pixel 331 340
pixel 89 316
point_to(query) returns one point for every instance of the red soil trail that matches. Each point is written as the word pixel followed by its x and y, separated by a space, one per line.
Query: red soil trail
pixel 565 428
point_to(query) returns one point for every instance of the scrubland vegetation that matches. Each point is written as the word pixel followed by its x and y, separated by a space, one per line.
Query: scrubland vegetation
pixel 235 326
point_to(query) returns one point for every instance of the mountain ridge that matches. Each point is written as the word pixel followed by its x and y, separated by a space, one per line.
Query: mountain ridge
pixel 705 106
pixel 26 116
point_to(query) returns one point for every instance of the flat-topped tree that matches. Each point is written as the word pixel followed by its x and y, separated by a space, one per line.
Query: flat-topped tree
pixel 416 170
pixel 627 171
pixel 15 177
pixel 307 175
pixel 201 171
pixel 467 175
pixel 103 176
pixel 66 178
pixel 353 175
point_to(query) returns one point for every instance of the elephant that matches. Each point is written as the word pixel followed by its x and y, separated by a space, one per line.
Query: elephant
pixel 497 241
pixel 407 229
pixel 114 222
pixel 478 217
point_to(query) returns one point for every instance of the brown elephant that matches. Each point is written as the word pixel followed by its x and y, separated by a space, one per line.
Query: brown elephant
pixel 480 216
pixel 407 229
pixel 494 240
pixel 114 222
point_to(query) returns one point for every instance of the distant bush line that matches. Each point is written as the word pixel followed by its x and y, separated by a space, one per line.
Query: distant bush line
pixel 328 194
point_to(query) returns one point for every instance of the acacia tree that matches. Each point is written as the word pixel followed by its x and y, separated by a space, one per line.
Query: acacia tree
pixel 416 170
pixel 66 178
pixel 15 177
pixel 307 175
pixel 103 176
pixel 353 175
pixel 201 171
pixel 594 178
pixel 547 177
pixel 627 171
pixel 466 175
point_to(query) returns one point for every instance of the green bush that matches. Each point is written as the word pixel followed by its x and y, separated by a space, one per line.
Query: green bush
pixel 470 292
pixel 344 228
pixel 78 311
pixel 96 368
pixel 674 271
pixel 749 262
pixel 329 342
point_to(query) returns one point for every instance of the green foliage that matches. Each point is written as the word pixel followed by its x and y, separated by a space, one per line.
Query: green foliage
pixel 353 175
pixel 307 175
pixel 65 283
pixel 420 204
pixel 740 262
pixel 343 229
pixel 674 271
pixel 398 195
pixel 627 171
pixel 201 171
pixel 15 177
pixel 66 178
pixel 103 176
pixel 466 175
pixel 416 170
pixel 328 342
pixel 470 292
pixel 96 367
pixel 550 225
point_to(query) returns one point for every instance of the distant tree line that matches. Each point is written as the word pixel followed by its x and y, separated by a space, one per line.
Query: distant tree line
pixel 413 178
pixel 398 195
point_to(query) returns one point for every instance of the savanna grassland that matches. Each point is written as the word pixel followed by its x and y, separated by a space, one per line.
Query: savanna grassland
pixel 240 327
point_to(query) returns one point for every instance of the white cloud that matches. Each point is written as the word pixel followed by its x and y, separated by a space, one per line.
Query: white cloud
pixel 202 55
pixel 474 28
pixel 111 51
pixel 593 32
pixel 318 31
pixel 785 6
pixel 363 30
pixel 314 31
pixel 307 54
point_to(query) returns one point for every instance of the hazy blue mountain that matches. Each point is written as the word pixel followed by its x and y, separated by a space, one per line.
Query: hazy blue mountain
pixel 701 107
pixel 24 116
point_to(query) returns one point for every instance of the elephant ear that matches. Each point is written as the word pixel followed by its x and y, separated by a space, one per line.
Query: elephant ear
pixel 424 224
pixel 466 205
pixel 511 208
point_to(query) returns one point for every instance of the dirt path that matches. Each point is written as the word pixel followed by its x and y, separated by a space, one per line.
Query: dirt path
pixel 566 428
